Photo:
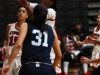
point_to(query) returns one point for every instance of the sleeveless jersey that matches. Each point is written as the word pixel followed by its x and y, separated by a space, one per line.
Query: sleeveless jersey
pixel 12 37
pixel 96 51
pixel 37 45
pixel 70 44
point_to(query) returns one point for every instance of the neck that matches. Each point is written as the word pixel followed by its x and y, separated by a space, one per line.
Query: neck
pixel 20 22
pixel 98 27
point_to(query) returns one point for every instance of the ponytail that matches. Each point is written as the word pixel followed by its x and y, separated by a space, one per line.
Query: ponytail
pixel 40 14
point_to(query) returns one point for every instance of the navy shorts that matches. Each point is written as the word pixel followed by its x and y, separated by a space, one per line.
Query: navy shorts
pixel 31 69
pixel 96 71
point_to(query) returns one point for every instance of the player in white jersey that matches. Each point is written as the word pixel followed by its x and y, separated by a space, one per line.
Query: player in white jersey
pixel 51 5
pixel 71 51
pixel 12 32
pixel 95 39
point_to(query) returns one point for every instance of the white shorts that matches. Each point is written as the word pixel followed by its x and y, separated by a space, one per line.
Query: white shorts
pixel 15 66
pixel 52 57
pixel 95 55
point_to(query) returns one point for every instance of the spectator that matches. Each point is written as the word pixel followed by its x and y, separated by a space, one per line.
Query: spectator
pixel 71 48
pixel 80 31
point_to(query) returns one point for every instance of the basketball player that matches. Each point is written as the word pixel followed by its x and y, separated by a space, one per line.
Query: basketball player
pixel 50 4
pixel 35 39
pixel 95 39
pixel 51 16
pixel 12 32
pixel 71 47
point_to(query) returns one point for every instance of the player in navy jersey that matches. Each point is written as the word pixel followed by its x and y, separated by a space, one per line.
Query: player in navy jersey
pixel 50 20
pixel 36 39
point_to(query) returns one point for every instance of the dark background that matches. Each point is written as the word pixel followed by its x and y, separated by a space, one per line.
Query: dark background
pixel 69 11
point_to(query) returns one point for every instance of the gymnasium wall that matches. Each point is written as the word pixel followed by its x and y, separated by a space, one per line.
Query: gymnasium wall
pixel 68 12
pixel 8 11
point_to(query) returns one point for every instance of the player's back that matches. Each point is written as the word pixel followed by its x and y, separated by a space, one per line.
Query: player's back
pixel 37 45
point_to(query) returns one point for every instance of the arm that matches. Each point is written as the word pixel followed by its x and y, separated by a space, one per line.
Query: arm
pixel 93 39
pixel 57 50
pixel 75 39
pixel 6 39
pixel 17 46
pixel 88 61
pixel 26 4
pixel 86 41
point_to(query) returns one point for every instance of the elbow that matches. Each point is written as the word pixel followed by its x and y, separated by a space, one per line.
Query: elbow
pixel 59 56
pixel 18 45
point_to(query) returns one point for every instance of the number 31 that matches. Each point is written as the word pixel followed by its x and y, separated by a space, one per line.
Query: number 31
pixel 39 38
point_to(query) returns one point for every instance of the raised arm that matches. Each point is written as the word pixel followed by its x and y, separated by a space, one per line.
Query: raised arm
pixel 26 4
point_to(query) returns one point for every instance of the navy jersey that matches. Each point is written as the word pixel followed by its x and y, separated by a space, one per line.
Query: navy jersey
pixel 37 45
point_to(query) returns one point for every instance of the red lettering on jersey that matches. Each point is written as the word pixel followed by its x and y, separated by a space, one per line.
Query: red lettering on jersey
pixel 13 37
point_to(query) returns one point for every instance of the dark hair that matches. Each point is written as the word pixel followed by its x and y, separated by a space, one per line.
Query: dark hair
pixel 78 22
pixel 40 14
pixel 54 5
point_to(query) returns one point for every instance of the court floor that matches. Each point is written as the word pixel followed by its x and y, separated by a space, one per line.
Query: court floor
pixel 71 70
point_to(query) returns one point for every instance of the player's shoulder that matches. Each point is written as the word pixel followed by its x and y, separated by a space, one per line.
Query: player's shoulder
pixel 24 25
pixel 95 28
pixel 9 25
pixel 50 9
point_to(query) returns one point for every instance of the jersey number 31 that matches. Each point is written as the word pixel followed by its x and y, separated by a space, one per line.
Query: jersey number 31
pixel 39 38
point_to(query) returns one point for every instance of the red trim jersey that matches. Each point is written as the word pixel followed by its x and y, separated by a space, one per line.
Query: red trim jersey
pixel 96 50
pixel 12 37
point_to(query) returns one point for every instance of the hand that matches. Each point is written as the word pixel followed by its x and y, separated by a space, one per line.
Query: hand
pixel 5 69
pixel 20 3
pixel 24 2
pixel 88 39
pixel 79 43
pixel 85 60
pixel 3 49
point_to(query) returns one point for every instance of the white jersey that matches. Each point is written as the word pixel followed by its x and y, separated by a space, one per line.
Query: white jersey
pixel 12 37
pixel 70 45
pixel 16 63
pixel 96 50
pixel 50 16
